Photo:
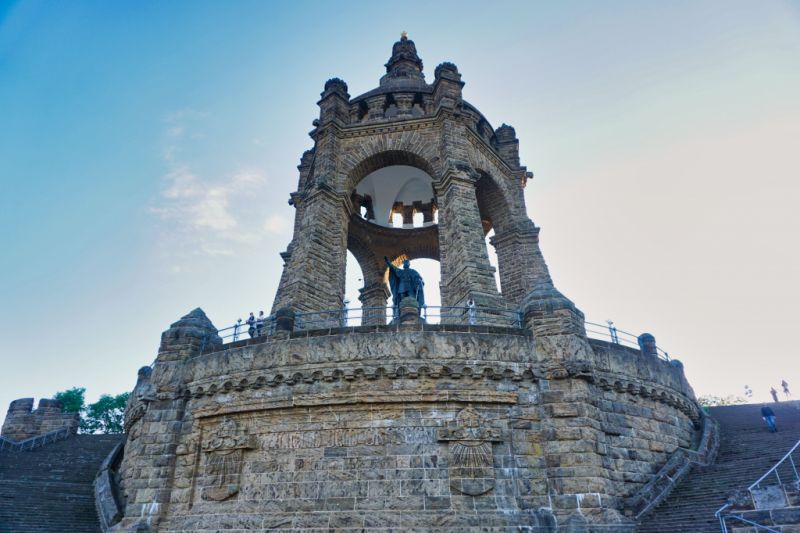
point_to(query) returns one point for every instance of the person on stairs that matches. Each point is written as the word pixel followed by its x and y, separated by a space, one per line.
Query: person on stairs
pixel 769 417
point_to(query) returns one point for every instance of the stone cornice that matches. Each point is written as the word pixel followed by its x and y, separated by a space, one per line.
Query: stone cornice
pixel 493 371
pixel 355 398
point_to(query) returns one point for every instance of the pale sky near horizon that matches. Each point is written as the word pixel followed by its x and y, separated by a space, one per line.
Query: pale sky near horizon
pixel 148 149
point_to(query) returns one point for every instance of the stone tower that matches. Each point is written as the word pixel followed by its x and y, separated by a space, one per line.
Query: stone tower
pixel 386 426
pixel 404 148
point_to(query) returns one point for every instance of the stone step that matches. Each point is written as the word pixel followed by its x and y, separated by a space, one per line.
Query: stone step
pixel 747 451
pixel 50 488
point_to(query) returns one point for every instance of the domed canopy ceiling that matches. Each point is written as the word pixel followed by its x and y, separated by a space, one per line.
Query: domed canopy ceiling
pixel 395 184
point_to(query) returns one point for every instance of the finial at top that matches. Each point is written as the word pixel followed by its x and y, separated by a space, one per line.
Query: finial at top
pixel 404 35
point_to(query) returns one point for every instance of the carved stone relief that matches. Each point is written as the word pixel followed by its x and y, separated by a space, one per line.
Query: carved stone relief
pixel 471 465
pixel 223 452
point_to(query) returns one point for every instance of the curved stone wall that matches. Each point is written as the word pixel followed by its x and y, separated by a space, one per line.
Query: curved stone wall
pixel 381 428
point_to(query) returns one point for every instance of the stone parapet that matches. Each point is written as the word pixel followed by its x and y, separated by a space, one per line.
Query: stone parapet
pixel 23 422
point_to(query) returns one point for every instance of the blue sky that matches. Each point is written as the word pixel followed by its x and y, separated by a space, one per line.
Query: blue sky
pixel 147 151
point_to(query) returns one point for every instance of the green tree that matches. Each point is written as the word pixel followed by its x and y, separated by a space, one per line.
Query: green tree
pixel 72 400
pixel 106 415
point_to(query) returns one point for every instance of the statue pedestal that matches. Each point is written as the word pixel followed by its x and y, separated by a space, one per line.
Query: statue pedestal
pixel 409 312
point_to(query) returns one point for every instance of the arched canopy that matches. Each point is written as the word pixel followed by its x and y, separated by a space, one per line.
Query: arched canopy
pixel 492 205
pixel 388 158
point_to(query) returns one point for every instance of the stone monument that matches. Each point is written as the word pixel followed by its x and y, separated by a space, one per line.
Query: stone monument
pixel 456 426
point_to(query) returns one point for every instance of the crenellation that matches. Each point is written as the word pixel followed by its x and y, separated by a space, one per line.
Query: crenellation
pixel 24 422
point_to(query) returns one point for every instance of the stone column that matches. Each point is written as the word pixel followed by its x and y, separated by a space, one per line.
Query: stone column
pixel 408 216
pixel 314 275
pixel 375 295
pixel 148 469
pixel 519 260
pixel 466 271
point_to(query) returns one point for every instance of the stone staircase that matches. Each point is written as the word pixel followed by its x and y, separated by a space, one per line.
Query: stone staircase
pixel 747 450
pixel 50 488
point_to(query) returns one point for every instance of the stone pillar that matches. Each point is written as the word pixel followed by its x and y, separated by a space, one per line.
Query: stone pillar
pixel 519 260
pixel 375 295
pixel 447 86
pixel 375 104
pixel 408 216
pixel 405 102
pixel 334 102
pixel 508 145
pixel 647 344
pixel 148 470
pixel 314 275
pixel 466 271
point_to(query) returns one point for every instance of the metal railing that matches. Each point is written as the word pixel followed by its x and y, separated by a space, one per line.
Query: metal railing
pixel 242 330
pixel 34 442
pixel 355 316
pixel 464 315
pixel 782 473
pixel 609 332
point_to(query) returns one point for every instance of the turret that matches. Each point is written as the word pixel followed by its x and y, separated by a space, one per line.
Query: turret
pixel 405 66
pixel 334 102
pixel 447 86
pixel 508 145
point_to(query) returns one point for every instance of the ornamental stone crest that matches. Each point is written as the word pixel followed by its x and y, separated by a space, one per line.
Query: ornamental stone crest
pixel 471 464
pixel 224 449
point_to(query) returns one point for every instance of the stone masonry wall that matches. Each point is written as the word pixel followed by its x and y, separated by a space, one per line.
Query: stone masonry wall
pixel 435 429
pixel 23 422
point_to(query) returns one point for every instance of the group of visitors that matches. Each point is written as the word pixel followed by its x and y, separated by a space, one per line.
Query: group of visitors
pixel 785 387
pixel 748 392
pixel 254 325
pixel 766 411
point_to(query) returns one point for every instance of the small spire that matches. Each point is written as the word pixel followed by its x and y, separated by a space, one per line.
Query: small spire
pixel 404 64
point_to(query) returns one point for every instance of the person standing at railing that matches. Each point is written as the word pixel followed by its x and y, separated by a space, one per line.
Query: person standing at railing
pixel 259 323
pixel 774 394
pixel 236 329
pixel 786 389
pixel 251 322
pixel 473 319
pixel 769 417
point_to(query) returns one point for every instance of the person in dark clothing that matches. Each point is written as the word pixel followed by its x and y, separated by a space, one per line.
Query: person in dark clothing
pixel 769 417
pixel 251 322
pixel 774 394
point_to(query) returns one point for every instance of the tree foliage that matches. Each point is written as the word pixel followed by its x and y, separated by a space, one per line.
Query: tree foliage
pixel 106 415
pixel 72 400
pixel 710 400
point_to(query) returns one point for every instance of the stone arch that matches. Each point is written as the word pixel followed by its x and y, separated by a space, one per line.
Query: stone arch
pixel 492 204
pixel 375 155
